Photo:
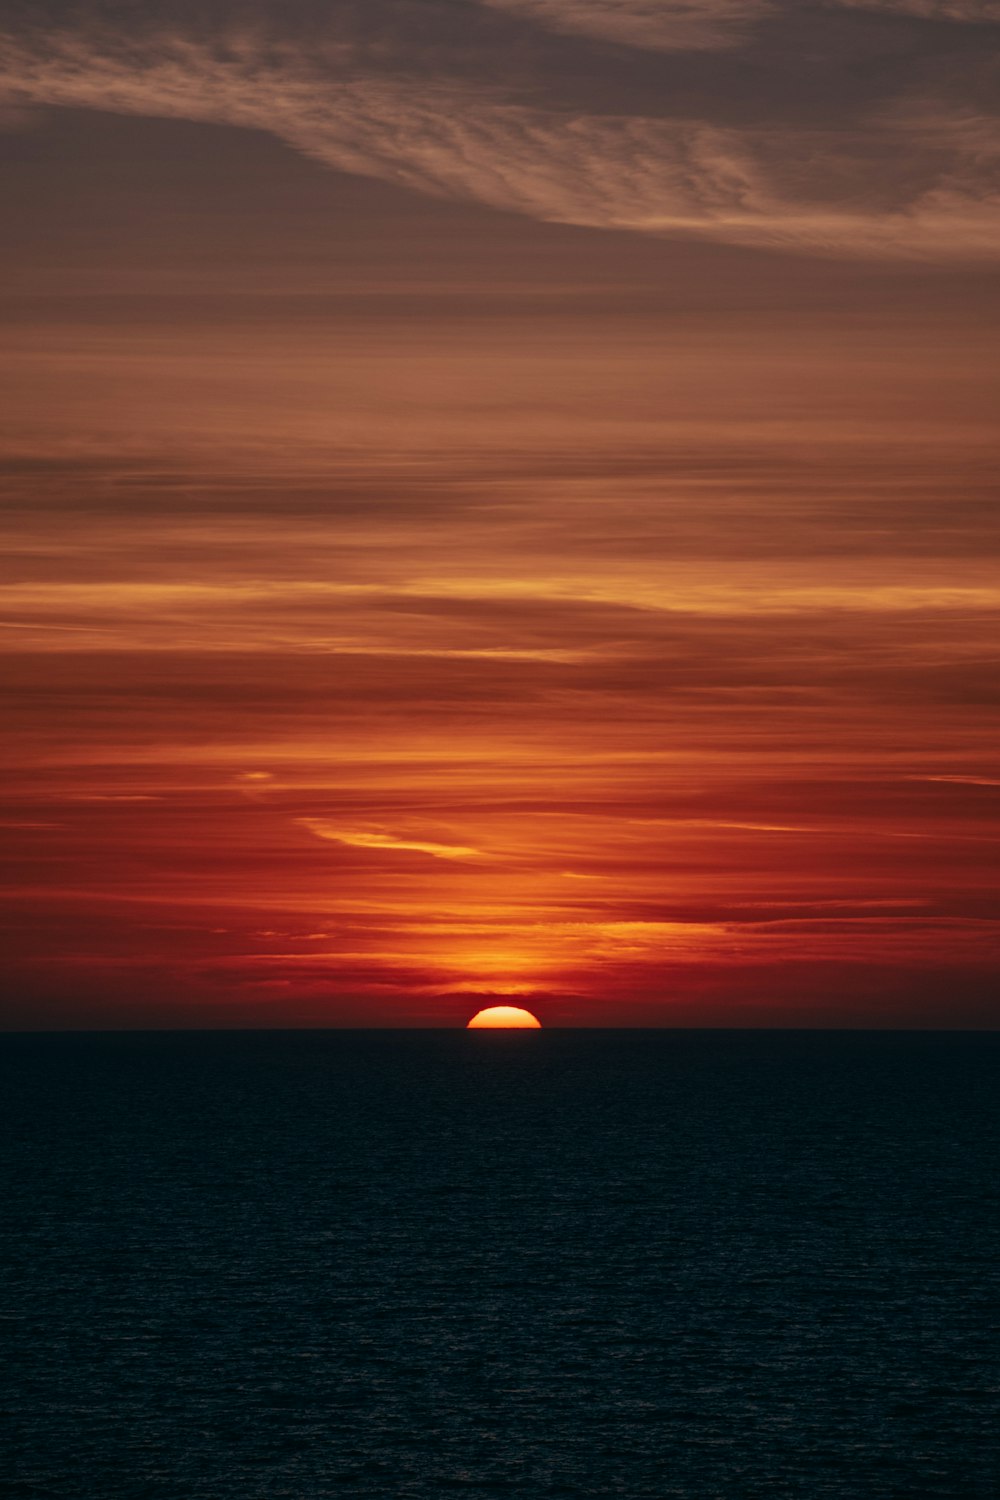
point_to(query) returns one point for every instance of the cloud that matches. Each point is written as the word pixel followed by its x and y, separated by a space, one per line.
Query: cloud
pixel 702 25
pixel 970 11
pixel 362 840
pixel 659 25
pixel 678 176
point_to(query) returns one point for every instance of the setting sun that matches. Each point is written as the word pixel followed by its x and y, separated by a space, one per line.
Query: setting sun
pixel 504 1017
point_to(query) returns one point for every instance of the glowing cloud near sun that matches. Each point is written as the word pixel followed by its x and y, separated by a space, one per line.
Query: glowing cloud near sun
pixel 504 1018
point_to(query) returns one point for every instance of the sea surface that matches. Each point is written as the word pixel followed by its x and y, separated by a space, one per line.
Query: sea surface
pixel 248 1266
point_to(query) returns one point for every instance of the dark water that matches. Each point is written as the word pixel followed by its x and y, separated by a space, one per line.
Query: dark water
pixel 412 1264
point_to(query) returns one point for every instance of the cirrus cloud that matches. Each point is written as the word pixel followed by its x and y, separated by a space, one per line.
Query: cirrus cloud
pixel 914 180
pixel 660 25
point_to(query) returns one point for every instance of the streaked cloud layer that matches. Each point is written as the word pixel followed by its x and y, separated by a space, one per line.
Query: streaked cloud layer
pixel 499 499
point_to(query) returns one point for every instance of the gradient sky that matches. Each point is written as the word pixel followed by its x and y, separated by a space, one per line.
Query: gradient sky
pixel 500 500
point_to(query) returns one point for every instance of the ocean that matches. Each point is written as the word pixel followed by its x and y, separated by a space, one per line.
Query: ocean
pixel 244 1266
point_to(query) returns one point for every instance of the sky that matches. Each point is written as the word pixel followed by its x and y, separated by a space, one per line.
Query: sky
pixel 499 500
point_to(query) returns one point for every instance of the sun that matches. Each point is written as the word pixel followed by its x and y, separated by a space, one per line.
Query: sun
pixel 504 1017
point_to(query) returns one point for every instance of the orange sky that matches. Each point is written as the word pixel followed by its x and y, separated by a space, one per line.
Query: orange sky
pixel 418 592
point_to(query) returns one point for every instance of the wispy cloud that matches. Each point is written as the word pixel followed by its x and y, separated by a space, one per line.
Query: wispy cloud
pixel 701 25
pixel 683 175
pixel 359 839
pixel 971 11
pixel 662 25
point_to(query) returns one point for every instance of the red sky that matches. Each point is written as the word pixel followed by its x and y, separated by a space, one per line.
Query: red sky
pixel 520 526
